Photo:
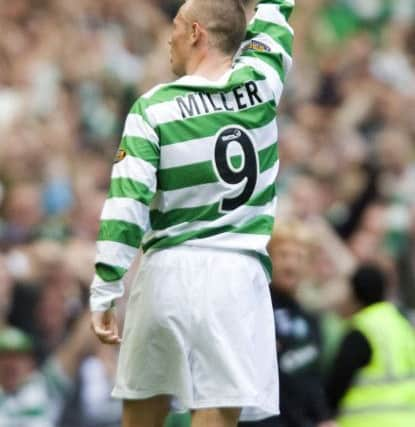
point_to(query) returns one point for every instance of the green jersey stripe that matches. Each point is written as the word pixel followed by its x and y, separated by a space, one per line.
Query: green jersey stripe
pixel 268 157
pixel 180 131
pixel 32 412
pixel 266 262
pixel 121 232
pixel 167 242
pixel 109 273
pixel 277 32
pixel 124 187
pixel 261 225
pixel 274 60
pixel 186 176
pixel 286 10
pixel 263 197
pixel 163 220
pixel 141 148
pixel 204 172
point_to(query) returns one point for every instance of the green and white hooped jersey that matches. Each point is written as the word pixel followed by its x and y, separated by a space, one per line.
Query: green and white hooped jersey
pixel 198 160
pixel 39 402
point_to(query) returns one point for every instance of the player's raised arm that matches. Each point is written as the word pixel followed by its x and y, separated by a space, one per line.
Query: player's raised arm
pixel 125 217
pixel 268 42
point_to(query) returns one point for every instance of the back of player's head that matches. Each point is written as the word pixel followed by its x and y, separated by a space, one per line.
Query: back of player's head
pixel 224 20
pixel 368 283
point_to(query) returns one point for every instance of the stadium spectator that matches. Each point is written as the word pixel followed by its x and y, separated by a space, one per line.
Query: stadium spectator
pixel 31 397
pixel 97 376
pixel 372 379
pixel 6 293
pixel 303 402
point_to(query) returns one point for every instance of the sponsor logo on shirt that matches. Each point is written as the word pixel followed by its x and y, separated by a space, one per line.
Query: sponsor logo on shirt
pixel 258 46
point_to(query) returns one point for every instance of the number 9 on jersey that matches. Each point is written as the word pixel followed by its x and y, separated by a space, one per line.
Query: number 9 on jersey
pixel 246 173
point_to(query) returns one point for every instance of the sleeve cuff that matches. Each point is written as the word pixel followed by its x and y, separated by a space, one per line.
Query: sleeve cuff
pixel 103 294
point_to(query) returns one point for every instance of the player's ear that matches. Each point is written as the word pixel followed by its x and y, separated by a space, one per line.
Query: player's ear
pixel 197 33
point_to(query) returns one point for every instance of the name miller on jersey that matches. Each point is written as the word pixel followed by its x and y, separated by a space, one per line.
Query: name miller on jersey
pixel 241 97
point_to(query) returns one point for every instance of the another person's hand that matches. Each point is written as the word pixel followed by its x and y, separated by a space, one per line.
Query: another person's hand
pixel 104 325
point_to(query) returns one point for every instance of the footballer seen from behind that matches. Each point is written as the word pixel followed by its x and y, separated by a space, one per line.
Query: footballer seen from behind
pixel 193 185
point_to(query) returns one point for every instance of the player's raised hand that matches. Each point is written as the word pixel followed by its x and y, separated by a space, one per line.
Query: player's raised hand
pixel 104 325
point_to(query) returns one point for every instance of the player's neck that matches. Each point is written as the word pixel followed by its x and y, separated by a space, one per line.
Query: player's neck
pixel 211 67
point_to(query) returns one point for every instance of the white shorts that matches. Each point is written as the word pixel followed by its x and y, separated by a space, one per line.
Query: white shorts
pixel 199 327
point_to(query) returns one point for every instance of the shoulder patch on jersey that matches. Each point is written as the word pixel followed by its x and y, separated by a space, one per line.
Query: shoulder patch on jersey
pixel 258 46
pixel 121 154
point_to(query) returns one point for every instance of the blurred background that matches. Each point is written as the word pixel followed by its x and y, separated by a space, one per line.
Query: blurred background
pixel 69 72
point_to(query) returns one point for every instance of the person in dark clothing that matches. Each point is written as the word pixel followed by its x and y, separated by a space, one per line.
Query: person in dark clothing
pixel 378 350
pixel 368 286
pixel 302 399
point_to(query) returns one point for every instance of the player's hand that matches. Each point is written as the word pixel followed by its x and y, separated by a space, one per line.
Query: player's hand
pixel 328 423
pixel 104 325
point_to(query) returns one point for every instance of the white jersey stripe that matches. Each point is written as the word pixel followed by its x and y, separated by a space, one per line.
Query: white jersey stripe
pixel 136 126
pixel 270 13
pixel 273 78
pixel 128 210
pixel 169 111
pixel 136 169
pixel 115 254
pixel 235 241
pixel 102 292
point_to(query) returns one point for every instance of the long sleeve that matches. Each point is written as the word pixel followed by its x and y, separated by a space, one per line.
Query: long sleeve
pixel 269 41
pixel 125 216
pixel 354 354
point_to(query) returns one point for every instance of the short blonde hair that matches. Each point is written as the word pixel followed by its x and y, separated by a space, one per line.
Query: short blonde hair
pixel 291 230
pixel 225 21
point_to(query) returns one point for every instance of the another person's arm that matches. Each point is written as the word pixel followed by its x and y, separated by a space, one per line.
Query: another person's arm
pixel 354 353
pixel 75 347
pixel 61 368
pixel 269 41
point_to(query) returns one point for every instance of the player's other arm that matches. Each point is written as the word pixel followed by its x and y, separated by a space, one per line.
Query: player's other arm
pixel 125 217
pixel 269 40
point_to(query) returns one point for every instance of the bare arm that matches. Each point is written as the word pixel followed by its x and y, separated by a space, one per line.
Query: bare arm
pixel 70 354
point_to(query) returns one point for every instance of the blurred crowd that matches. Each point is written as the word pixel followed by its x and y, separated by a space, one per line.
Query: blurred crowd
pixel 69 72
